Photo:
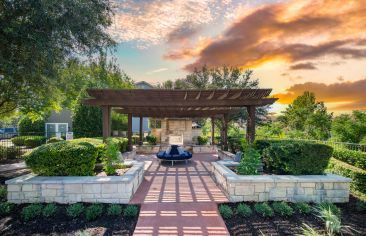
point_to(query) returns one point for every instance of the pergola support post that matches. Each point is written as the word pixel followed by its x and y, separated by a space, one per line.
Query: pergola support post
pixel 106 114
pixel 212 130
pixel 129 132
pixel 250 135
pixel 141 131
pixel 225 122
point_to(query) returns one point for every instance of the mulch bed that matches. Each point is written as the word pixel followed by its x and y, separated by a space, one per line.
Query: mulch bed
pixel 61 224
pixel 257 225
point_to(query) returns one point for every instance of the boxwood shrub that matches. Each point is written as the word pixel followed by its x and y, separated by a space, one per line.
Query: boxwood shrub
pixel 355 158
pixel 96 142
pixel 357 175
pixel 297 158
pixel 34 141
pixel 63 159
pixel 19 140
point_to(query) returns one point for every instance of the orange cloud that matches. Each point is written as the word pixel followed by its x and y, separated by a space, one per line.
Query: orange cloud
pixel 291 31
pixel 350 94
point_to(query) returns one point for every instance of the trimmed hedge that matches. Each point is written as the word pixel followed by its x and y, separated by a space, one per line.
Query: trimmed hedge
pixel 357 175
pixel 355 158
pixel 27 126
pixel 297 158
pixel 34 141
pixel 9 152
pixel 19 140
pixel 76 158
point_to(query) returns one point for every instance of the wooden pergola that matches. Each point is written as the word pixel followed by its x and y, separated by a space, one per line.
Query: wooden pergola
pixel 166 103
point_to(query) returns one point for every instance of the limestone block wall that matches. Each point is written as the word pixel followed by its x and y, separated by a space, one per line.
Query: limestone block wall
pixel 260 188
pixel 176 127
pixel 70 189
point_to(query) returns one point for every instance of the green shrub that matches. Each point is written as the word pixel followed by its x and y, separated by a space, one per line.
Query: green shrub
pixel 19 140
pixel 282 208
pixel 75 210
pixel 122 144
pixel 297 158
pixel 130 211
pixel 243 210
pixel 331 216
pixel 135 139
pixel 263 209
pixel 328 205
pixel 3 193
pixel 63 159
pixel 6 208
pixel 34 141
pixel 355 158
pixel 226 211
pixel 93 212
pixel 202 140
pixel 357 175
pixel 302 207
pixel 110 156
pixel 151 139
pixel 234 143
pixel 249 162
pixel 114 210
pixel 360 206
pixel 28 127
pixel 87 121
pixel 55 140
pixel 96 142
pixel 32 211
pixel 9 152
pixel 49 210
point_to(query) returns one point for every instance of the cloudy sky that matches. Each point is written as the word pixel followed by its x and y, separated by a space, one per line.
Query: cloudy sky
pixel 292 46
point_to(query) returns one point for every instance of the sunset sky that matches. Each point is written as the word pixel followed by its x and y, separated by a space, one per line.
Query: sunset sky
pixel 292 46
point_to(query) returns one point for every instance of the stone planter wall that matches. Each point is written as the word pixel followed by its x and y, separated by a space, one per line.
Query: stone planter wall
pixel 70 189
pixel 153 149
pixel 260 188
pixel 225 155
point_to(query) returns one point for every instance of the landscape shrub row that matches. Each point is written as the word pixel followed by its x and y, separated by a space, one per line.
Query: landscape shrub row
pixel 77 210
pixel 294 157
pixel 9 152
pixel 357 175
pixel 29 141
pixel 70 158
pixel 355 158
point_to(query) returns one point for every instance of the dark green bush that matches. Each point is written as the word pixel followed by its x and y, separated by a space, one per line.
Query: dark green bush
pixel 234 143
pixel 249 162
pixel 63 159
pixel 357 175
pixel 360 206
pixel 9 152
pixel 355 158
pixel 32 211
pixel 55 140
pixel 19 140
pixel 130 211
pixel 282 208
pixel 3 193
pixel 96 142
pixel 297 158
pixel 34 141
pixel 114 210
pixel 49 210
pixel 28 127
pixel 225 211
pixel 75 210
pixel 93 212
pixel 87 122
pixel 302 207
pixel 263 209
pixel 202 140
pixel 6 208
pixel 110 156
pixel 151 139
pixel 122 143
pixel 243 210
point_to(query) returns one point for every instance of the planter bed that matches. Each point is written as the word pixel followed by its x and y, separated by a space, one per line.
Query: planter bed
pixel 278 225
pixel 69 189
pixel 61 224
pixel 291 188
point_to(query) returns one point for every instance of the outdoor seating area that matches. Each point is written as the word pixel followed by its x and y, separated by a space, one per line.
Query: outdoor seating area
pixel 174 153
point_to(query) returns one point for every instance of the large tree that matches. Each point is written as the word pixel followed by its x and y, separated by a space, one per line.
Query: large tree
pixel 37 38
pixel 350 127
pixel 307 116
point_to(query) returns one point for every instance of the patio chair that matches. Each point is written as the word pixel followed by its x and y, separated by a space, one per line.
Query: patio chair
pixel 174 153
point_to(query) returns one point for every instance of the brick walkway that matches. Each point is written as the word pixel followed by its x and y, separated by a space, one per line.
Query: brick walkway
pixel 179 200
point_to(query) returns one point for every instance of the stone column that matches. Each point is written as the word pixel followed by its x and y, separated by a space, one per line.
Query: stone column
pixel 106 114
pixel 250 135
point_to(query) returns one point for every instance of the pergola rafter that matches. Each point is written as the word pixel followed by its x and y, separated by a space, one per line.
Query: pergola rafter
pixel 160 103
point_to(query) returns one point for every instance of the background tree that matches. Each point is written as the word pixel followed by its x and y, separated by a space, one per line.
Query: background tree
pixel 305 116
pixel 37 38
pixel 350 127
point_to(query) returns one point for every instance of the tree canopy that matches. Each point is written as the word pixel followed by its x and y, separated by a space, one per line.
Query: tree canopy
pixel 37 38
pixel 350 127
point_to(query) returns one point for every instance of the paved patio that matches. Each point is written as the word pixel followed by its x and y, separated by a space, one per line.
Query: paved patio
pixel 179 200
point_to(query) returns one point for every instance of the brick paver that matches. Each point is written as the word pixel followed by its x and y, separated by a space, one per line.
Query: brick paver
pixel 179 200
